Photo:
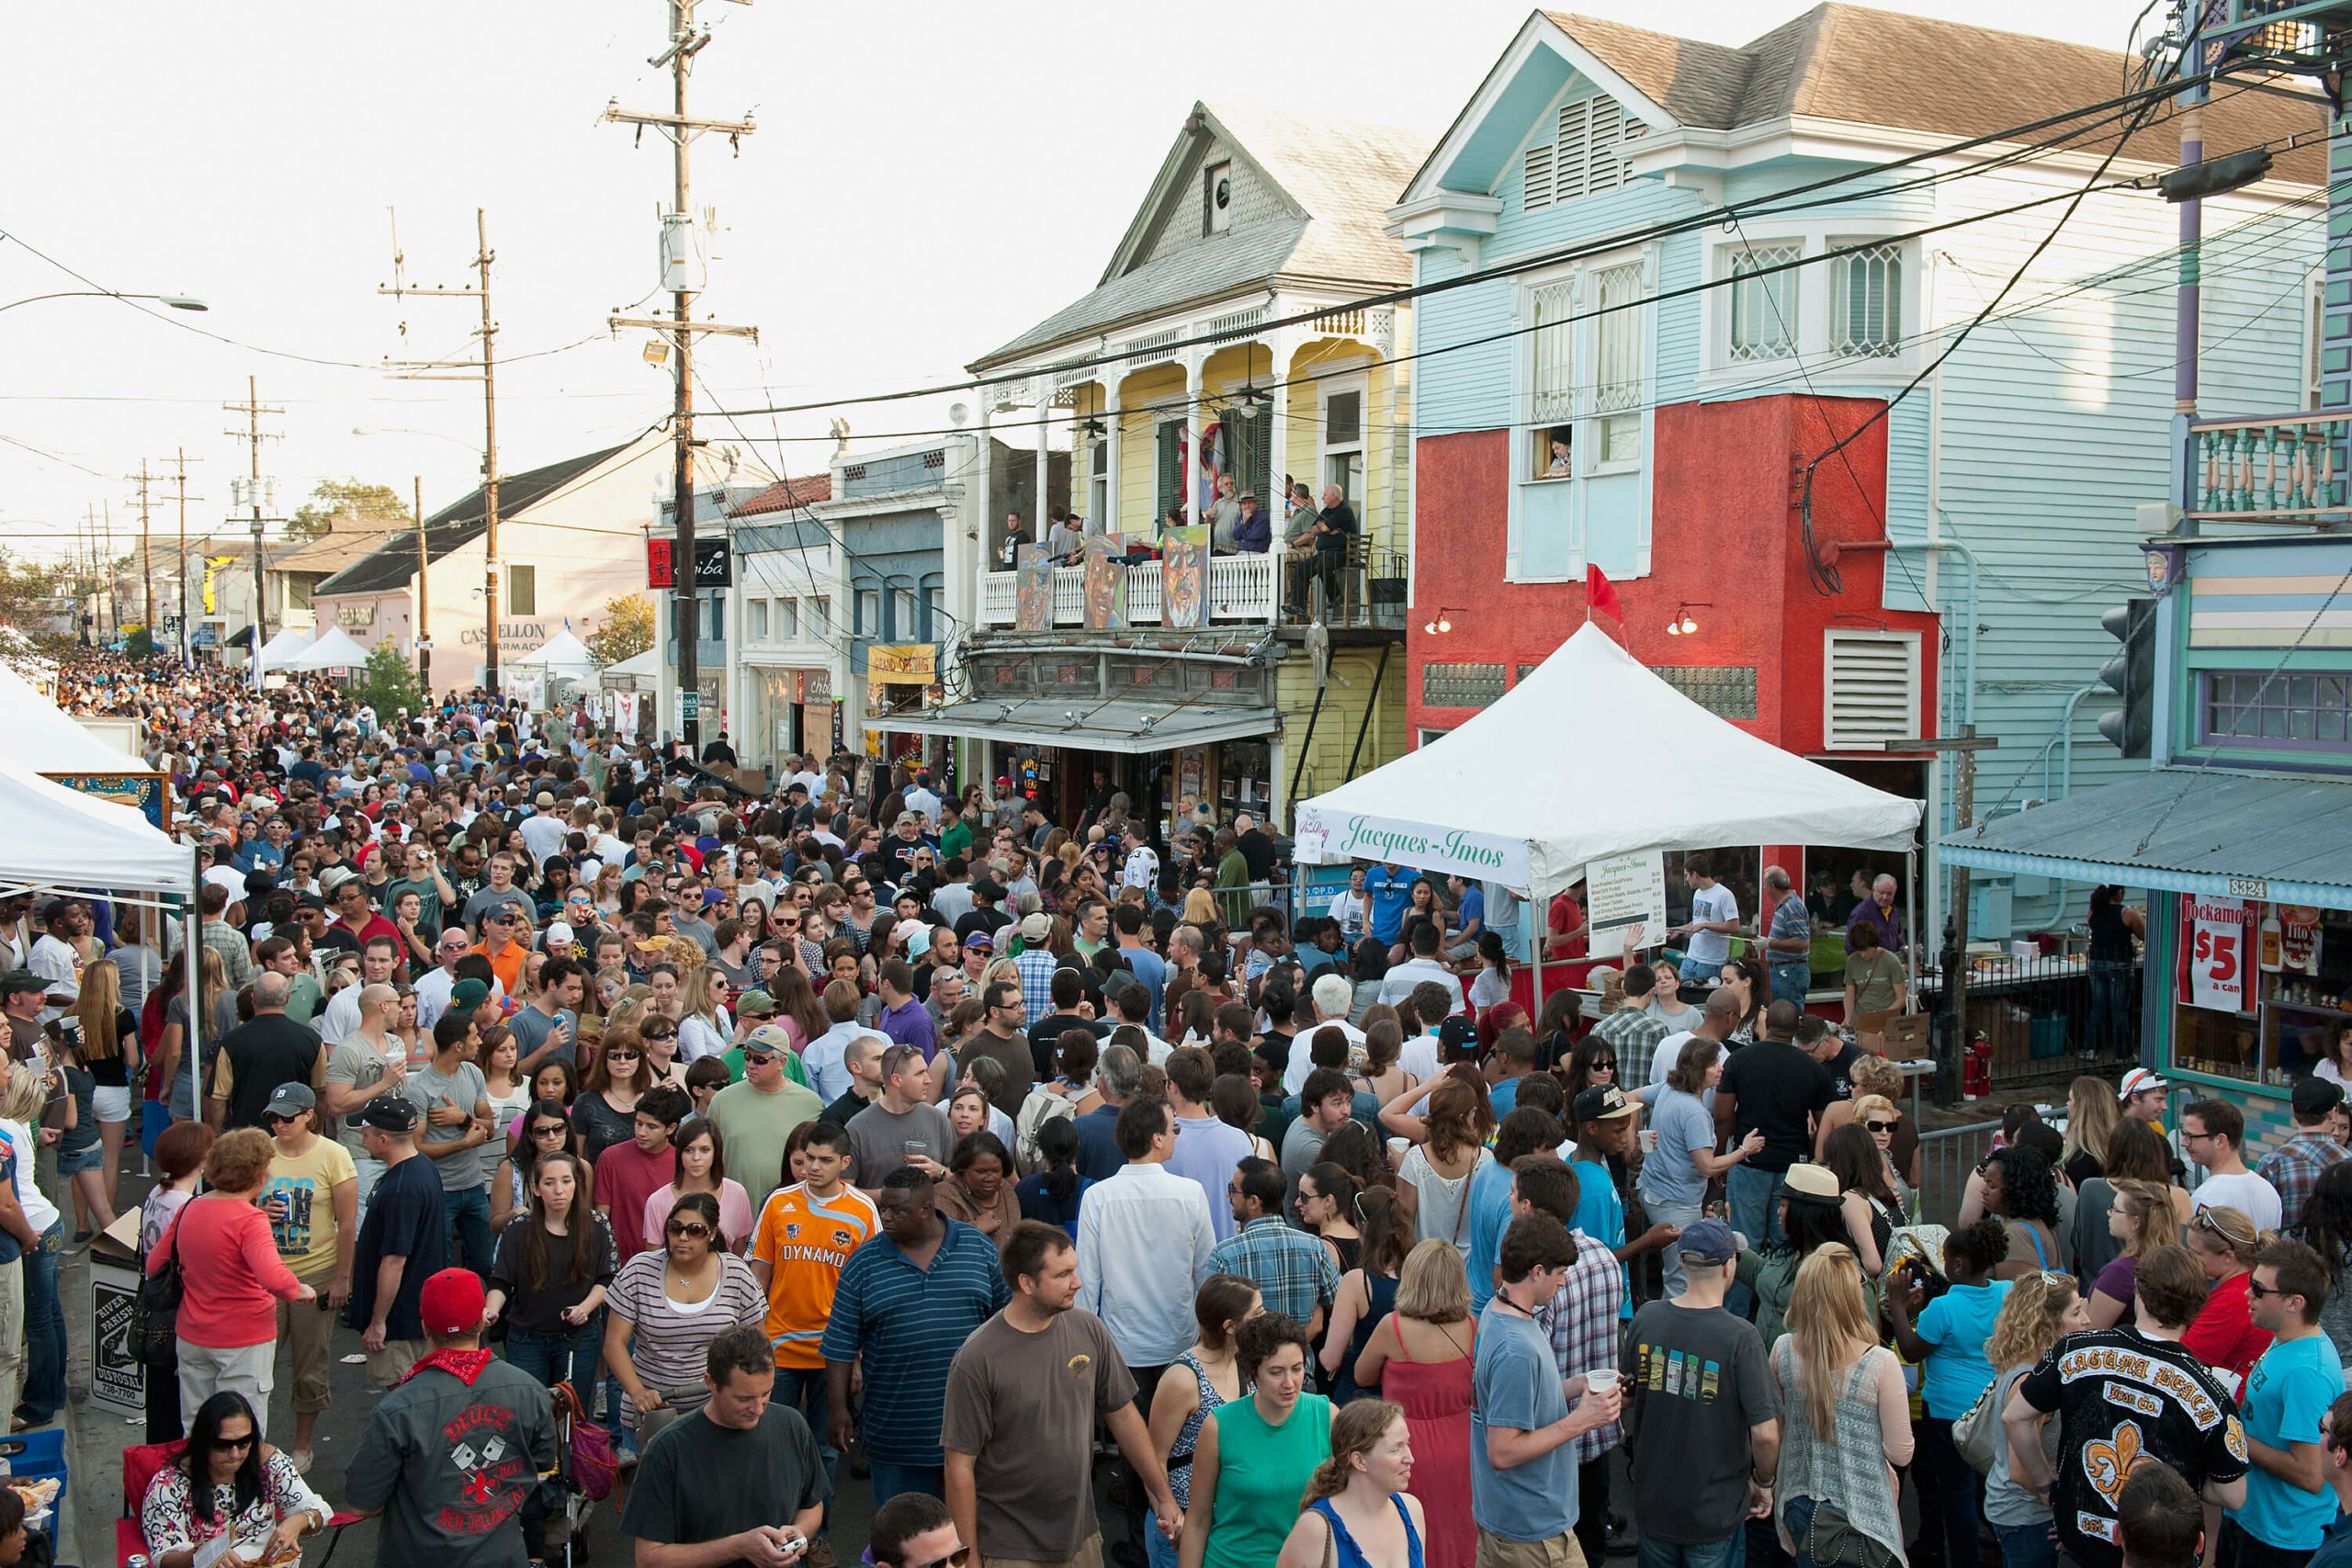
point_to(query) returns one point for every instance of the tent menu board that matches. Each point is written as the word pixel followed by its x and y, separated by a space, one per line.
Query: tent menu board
pixel 1625 901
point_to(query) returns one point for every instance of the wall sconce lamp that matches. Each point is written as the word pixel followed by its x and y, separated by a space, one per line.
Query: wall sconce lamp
pixel 1682 624
pixel 1440 622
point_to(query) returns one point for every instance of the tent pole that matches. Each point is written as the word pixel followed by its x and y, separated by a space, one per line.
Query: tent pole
pixel 194 941
pixel 1911 928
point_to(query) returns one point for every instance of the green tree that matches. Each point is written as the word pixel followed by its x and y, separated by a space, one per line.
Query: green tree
pixel 625 631
pixel 388 682
pixel 349 503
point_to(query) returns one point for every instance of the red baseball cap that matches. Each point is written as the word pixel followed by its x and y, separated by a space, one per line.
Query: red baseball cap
pixel 452 1302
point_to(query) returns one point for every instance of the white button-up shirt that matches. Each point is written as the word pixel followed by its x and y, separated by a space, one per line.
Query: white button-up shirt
pixel 1144 1241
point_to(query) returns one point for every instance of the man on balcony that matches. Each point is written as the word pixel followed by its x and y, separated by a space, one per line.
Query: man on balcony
pixel 1067 542
pixel 1223 518
pixel 1254 534
pixel 1335 525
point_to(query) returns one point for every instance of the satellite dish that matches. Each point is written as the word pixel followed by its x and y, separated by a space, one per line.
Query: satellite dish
pixel 958 414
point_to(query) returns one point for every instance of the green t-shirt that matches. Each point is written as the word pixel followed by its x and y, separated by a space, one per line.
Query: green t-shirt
pixel 957 840
pixel 792 1068
pixel 429 899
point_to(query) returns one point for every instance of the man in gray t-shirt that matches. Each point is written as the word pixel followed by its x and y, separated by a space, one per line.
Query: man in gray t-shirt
pixel 903 1127
pixel 457 1130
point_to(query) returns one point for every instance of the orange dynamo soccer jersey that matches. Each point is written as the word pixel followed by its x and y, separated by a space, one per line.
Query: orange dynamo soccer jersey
pixel 805 1241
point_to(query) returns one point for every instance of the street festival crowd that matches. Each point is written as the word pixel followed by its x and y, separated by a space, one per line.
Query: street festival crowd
pixel 710 1149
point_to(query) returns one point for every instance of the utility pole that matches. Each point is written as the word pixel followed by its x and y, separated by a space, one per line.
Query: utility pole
pixel 186 620
pixel 146 552
pixel 253 437
pixel 485 371
pixel 424 638
pixel 680 277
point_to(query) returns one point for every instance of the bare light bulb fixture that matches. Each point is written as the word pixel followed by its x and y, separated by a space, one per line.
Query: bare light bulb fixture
pixel 1682 624
pixel 1440 622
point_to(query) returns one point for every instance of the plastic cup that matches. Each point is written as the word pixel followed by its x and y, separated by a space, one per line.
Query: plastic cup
pixel 1601 1380
pixel 1649 1140
pixel 1398 1148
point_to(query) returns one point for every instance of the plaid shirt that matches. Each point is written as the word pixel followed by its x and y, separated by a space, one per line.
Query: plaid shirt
pixel 2294 1167
pixel 1293 1270
pixel 236 953
pixel 1582 1319
pixel 1037 968
pixel 1790 919
pixel 1635 1032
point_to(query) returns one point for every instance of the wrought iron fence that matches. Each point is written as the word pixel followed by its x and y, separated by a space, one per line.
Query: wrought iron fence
pixel 2039 1014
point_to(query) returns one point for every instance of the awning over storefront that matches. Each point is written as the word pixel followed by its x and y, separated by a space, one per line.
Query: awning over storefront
pixel 1085 727
pixel 2198 831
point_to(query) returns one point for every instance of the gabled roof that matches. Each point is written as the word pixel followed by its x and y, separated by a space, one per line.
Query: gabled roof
pixel 1859 66
pixel 393 563
pixel 354 540
pixel 786 494
pixel 1949 79
pixel 1334 179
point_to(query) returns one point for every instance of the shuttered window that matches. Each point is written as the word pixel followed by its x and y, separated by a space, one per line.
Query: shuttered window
pixel 1249 448
pixel 1584 156
pixel 522 590
pixel 1871 689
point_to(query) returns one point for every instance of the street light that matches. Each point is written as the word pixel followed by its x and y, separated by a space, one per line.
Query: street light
pixel 177 302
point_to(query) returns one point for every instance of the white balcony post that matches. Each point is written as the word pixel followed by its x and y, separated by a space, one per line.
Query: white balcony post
pixel 1194 400
pixel 1042 395
pixel 1110 417
pixel 1278 452
pixel 985 477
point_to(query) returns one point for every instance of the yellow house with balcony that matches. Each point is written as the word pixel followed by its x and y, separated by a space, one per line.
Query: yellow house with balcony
pixel 1227 339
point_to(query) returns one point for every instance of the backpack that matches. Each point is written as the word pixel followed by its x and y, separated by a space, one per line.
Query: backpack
pixel 1042 1105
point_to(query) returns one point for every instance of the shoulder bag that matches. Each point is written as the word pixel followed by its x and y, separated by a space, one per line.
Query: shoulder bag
pixel 155 1309
pixel 1977 1433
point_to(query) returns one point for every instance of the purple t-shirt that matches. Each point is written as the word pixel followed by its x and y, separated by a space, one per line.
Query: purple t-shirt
pixel 2115 1280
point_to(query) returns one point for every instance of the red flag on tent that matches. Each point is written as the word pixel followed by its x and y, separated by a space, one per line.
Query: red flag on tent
pixel 1601 604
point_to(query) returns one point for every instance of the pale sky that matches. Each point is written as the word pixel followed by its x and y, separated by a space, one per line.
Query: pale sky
pixel 927 181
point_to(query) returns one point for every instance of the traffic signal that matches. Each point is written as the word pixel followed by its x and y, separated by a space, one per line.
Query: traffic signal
pixel 2133 676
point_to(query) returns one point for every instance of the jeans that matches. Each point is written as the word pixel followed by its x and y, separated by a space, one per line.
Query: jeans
pixel 1797 1514
pixel 889 1480
pixel 1954 1511
pixel 1694 973
pixel 803 1388
pixel 1755 1202
pixel 1669 1260
pixel 2030 1546
pixel 1728 1552
pixel 559 1358
pixel 1791 981
pixel 1158 1550
pixel 44 1391
pixel 2110 1006
pixel 468 1210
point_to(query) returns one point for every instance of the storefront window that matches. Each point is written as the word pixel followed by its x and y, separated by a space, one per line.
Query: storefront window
pixel 1244 774
pixel 2297 967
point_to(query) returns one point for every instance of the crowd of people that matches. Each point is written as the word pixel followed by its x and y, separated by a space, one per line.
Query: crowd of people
pixel 852 1130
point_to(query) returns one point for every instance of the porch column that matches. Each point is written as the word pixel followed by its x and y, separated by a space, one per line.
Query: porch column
pixel 984 476
pixel 1042 396
pixel 1194 385
pixel 1110 418
pixel 1278 443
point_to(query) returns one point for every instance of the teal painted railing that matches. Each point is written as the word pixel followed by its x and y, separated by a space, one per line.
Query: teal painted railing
pixel 2280 466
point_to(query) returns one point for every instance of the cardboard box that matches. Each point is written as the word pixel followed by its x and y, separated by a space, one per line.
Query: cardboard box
pixel 1906 1036
pixel 117 1379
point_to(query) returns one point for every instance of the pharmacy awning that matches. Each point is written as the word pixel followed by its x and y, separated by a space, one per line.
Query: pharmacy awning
pixel 2212 832
pixel 1083 726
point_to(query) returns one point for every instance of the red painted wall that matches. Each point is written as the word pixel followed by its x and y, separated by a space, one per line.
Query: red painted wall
pixel 1725 540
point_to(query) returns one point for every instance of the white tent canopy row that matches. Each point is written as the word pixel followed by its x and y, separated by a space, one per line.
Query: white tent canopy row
pixel 44 738
pixel 65 840
pixel 1524 771
pixel 335 650
pixel 280 651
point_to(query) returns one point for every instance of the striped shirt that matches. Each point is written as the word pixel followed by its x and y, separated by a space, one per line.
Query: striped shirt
pixel 669 1349
pixel 907 1324
pixel 805 1241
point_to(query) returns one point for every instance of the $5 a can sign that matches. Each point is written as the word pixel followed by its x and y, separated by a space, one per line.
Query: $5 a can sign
pixel 2214 948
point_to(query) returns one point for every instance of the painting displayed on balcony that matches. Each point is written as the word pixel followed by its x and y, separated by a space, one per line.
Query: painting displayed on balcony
pixel 1184 577
pixel 1032 603
pixel 1106 581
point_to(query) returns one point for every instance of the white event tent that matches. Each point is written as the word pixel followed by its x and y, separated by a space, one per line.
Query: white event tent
pixel 335 650
pixel 45 739
pixel 1524 793
pixel 280 651
pixel 562 654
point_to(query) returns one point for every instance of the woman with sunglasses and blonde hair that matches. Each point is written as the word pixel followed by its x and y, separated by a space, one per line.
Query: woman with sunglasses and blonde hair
pixel 704 1022
pixel 2040 1309
pixel 2226 1243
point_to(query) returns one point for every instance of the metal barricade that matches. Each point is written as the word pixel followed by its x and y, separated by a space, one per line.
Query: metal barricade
pixel 1947 1155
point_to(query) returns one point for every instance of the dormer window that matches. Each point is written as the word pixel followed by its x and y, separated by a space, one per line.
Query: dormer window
pixel 1217 199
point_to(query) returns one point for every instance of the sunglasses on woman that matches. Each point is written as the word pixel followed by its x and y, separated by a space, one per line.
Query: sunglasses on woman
pixel 687 1227
pixel 549 1129
pixel 624 1056
pixel 1880 1126
pixel 661 1033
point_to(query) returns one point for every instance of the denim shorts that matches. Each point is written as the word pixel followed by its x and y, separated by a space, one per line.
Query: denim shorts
pixel 74 1164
